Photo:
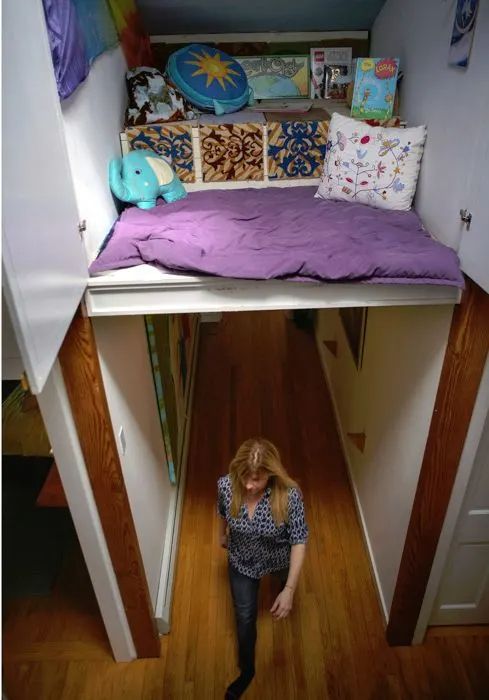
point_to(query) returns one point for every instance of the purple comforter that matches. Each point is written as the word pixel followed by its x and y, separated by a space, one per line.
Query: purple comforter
pixel 279 233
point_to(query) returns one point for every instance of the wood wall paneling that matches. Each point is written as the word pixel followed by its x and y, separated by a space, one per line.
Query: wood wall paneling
pixel 83 379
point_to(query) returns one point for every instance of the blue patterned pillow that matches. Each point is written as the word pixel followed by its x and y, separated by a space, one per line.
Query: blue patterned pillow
pixel 208 78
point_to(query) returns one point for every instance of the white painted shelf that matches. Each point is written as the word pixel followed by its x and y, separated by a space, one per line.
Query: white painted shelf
pixel 147 290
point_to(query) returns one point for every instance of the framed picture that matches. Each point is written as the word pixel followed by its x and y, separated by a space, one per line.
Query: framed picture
pixel 276 77
pixel 354 322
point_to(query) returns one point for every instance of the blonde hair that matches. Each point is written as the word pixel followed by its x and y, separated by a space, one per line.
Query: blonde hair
pixel 254 455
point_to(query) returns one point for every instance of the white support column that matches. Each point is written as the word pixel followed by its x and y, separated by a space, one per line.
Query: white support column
pixel 56 413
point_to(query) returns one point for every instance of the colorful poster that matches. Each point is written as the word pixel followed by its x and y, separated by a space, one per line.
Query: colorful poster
pixel 375 88
pixel 67 44
pixel 165 397
pixel 97 26
pixel 276 77
pixel 134 38
pixel 462 32
pixel 171 340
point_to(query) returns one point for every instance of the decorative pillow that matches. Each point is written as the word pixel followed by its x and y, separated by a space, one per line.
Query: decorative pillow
pixel 371 164
pixel 151 99
pixel 208 78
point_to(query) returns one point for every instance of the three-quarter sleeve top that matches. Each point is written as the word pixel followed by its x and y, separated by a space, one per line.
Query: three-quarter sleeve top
pixel 256 545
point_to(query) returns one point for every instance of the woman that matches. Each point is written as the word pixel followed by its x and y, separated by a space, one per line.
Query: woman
pixel 263 527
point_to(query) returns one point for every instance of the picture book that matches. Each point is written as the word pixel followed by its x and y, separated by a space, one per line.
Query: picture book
pixel 375 88
pixel 276 77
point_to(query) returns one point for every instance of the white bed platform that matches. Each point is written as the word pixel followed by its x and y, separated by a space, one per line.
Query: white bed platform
pixel 147 290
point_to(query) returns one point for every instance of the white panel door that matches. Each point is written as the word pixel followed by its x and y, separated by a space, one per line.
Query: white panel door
pixel 474 244
pixel 44 264
pixel 463 597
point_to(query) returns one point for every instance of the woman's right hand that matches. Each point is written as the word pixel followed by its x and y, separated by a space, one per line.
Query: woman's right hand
pixel 223 539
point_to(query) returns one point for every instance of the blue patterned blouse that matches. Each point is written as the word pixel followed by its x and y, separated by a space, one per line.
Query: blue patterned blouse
pixel 257 546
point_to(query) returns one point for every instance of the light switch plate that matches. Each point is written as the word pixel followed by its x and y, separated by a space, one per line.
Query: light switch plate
pixel 122 440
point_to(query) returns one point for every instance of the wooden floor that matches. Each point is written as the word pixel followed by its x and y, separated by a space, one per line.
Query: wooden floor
pixel 257 375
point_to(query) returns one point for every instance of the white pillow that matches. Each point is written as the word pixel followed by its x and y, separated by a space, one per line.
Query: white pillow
pixel 371 164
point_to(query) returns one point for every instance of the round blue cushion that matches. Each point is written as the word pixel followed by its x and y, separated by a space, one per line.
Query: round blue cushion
pixel 209 78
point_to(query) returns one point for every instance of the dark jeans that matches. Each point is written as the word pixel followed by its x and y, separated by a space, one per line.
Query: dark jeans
pixel 245 599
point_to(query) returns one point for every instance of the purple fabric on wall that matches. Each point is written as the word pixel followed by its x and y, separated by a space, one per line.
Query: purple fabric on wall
pixel 280 233
pixel 67 45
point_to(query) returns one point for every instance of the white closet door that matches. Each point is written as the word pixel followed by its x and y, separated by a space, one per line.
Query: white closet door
pixel 463 598
pixel 44 264
pixel 474 244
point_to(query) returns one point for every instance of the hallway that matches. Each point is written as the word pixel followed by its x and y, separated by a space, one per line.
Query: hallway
pixel 257 374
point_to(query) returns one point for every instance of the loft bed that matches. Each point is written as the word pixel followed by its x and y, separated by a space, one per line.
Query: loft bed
pixel 146 288
pixel 143 288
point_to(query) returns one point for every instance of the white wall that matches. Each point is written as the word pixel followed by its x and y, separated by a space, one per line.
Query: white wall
pixel 93 118
pixel 453 102
pixel 390 400
pixel 128 381
pixel 215 16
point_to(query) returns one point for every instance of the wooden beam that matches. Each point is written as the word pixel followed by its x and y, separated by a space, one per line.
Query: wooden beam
pixel 465 357
pixel 81 371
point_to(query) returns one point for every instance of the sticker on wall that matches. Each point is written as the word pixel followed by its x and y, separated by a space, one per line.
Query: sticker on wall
pixel 173 142
pixel 231 152
pixel 296 149
pixel 462 32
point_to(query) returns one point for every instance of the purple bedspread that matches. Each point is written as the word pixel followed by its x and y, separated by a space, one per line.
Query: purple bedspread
pixel 279 233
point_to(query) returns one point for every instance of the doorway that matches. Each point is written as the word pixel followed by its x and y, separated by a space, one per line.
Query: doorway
pixel 47 592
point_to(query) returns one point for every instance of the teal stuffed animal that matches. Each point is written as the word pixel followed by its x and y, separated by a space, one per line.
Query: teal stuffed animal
pixel 142 176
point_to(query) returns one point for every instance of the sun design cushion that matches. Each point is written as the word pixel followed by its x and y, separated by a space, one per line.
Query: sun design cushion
pixel 371 165
pixel 208 78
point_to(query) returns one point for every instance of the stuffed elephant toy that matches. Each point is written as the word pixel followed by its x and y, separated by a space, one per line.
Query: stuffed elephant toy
pixel 141 177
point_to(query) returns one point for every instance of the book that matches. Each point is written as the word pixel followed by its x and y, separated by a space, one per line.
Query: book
pixel 276 77
pixel 330 72
pixel 375 88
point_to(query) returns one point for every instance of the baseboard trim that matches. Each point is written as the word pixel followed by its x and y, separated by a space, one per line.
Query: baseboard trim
pixel 358 506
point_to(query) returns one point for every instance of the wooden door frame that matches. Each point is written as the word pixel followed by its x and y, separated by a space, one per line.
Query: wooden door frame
pixel 463 365
pixel 58 420
pixel 465 356
pixel 82 375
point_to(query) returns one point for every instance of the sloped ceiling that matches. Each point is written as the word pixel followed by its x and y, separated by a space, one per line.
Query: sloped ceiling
pixel 220 16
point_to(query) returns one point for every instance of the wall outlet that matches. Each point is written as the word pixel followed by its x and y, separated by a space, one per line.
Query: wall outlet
pixel 122 440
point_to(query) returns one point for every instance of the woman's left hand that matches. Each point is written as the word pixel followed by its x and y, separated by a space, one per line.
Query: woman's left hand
pixel 283 604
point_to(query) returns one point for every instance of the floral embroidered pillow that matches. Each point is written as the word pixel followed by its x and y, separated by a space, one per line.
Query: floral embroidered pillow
pixel 371 164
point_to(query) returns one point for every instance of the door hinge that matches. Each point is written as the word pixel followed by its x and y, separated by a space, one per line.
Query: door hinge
pixel 82 227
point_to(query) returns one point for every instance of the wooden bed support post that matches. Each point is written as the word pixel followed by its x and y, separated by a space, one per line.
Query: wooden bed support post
pixel 465 357
pixel 81 370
